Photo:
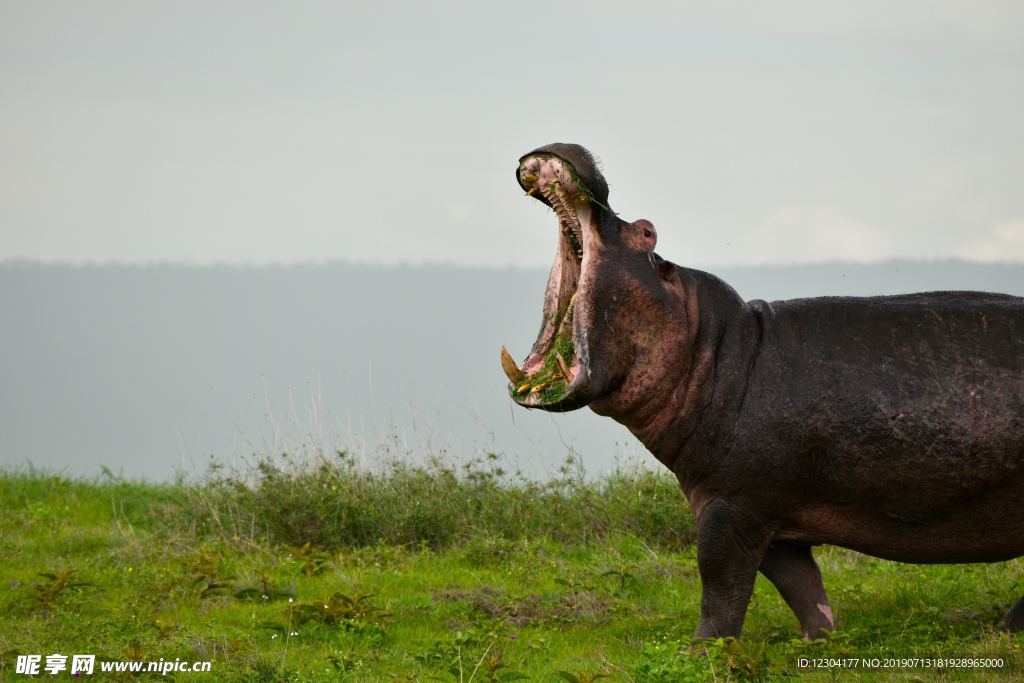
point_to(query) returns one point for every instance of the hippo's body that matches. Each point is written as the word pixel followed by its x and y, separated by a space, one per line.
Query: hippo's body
pixel 890 425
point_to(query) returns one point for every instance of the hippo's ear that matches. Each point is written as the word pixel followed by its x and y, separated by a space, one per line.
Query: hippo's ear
pixel 666 269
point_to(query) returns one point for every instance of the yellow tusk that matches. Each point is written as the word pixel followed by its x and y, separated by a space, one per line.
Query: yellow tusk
pixel 530 178
pixel 512 371
pixel 562 367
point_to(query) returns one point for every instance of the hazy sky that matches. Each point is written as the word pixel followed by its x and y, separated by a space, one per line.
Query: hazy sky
pixel 748 132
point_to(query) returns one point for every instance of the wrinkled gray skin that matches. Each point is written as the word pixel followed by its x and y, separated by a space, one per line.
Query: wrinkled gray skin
pixel 890 425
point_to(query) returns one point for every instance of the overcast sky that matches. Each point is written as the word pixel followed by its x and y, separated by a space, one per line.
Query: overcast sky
pixel 753 132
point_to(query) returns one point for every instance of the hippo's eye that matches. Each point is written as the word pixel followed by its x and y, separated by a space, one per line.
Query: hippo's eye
pixel 647 233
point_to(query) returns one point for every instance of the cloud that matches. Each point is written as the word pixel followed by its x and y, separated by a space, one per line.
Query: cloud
pixel 1004 243
pixel 813 234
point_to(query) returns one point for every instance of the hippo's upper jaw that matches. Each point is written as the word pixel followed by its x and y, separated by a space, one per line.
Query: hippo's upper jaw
pixel 556 374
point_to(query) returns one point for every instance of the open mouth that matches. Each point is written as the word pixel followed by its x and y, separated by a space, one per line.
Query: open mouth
pixel 553 370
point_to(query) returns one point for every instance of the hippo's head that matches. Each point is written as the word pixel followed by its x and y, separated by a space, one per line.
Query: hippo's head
pixel 614 311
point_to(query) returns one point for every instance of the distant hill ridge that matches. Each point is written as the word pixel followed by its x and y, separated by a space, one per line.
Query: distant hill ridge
pixel 150 368
pixel 754 281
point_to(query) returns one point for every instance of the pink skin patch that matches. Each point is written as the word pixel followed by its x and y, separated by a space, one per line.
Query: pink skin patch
pixel 827 611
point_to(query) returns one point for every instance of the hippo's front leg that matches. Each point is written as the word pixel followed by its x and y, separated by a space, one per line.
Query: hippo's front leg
pixel 730 547
pixel 793 571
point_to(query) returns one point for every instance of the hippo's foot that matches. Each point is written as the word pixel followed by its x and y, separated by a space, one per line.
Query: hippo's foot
pixel 1014 619
pixel 793 571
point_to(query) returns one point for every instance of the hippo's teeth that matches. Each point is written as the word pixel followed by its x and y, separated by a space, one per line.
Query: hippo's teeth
pixel 563 368
pixel 512 371
pixel 530 178
pixel 561 202
pixel 531 190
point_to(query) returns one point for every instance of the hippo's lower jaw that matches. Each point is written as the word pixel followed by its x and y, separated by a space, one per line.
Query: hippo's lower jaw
pixel 556 376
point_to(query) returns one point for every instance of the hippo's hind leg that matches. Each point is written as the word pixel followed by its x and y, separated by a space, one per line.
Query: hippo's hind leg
pixel 793 571
pixel 1014 619
pixel 730 546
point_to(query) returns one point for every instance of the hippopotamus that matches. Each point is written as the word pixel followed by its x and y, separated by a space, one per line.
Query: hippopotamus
pixel 890 425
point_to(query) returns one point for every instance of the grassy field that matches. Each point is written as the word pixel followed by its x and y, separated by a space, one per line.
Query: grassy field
pixel 326 572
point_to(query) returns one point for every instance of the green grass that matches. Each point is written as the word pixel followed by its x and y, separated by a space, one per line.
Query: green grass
pixel 326 572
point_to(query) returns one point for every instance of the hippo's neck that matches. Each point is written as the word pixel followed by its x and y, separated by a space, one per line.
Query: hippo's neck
pixel 689 423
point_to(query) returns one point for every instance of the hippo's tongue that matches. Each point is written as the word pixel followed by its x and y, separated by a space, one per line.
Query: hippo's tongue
pixel 553 365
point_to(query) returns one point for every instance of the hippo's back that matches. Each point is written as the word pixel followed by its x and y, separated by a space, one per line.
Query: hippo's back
pixel 955 335
pixel 905 413
pixel 936 366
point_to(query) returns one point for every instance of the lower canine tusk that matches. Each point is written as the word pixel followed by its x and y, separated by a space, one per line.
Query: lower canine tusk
pixel 563 367
pixel 512 371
